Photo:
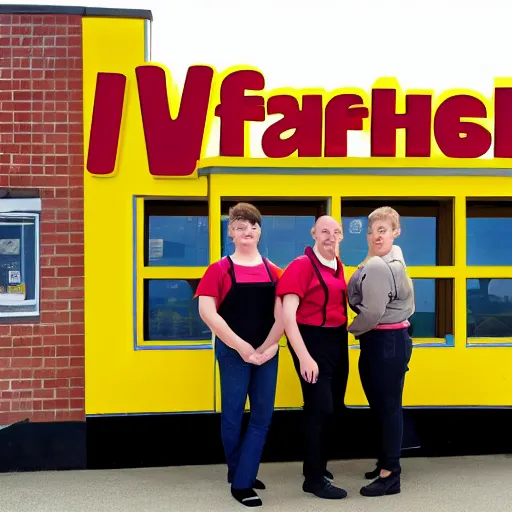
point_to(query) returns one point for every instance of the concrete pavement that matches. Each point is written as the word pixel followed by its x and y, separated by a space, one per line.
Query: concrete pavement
pixel 462 484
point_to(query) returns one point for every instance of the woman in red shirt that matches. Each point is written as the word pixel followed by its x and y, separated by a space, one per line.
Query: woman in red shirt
pixel 237 300
pixel 313 290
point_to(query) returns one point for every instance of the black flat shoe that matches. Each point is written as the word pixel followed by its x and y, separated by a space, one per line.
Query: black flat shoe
pixel 325 490
pixel 371 475
pixel 382 486
pixel 246 497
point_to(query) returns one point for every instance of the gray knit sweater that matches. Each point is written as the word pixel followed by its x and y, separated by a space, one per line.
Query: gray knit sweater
pixel 380 292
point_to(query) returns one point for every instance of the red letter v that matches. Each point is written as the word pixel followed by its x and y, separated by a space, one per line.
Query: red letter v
pixel 173 145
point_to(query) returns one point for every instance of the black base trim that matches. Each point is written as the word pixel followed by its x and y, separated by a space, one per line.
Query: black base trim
pixel 164 440
pixel 109 442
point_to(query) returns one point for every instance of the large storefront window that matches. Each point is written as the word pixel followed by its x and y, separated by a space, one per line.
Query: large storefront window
pixel 426 230
pixel 489 308
pixel 19 258
pixel 170 263
pixel 488 227
pixel 286 228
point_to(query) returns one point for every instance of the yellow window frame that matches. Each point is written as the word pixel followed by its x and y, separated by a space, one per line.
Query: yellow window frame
pixel 143 273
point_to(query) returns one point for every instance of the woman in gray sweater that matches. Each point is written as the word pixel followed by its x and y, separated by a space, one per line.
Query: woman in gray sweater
pixel 382 295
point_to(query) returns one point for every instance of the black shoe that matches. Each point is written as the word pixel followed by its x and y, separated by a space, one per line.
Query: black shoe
pixel 246 497
pixel 382 486
pixel 325 490
pixel 371 475
pixel 328 475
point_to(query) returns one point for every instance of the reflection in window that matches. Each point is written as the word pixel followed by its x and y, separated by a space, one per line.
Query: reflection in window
pixel 18 259
pixel 489 308
pixel 423 320
pixel 489 241
pixel 171 313
pixel 417 240
pixel 178 241
pixel 283 237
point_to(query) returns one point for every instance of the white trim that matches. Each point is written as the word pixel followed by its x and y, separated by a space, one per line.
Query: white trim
pixel 20 205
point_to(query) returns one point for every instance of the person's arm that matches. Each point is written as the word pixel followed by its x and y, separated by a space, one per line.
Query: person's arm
pixel 217 324
pixel 375 297
pixel 277 329
pixel 308 366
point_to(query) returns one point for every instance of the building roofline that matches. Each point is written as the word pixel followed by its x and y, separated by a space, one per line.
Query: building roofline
pixel 76 11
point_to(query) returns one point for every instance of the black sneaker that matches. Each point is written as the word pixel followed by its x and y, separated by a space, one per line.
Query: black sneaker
pixel 325 490
pixel 382 486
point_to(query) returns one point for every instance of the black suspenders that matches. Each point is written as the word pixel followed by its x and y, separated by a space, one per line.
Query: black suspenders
pixel 326 290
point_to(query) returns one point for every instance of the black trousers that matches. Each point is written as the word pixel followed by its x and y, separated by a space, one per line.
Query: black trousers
pixel 383 363
pixel 328 346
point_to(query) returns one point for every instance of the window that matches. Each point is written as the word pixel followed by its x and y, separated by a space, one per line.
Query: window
pixel 489 308
pixel 433 316
pixel 171 311
pixel 488 227
pixel 426 230
pixel 424 318
pixel 286 228
pixel 19 257
pixel 170 261
pixel 176 234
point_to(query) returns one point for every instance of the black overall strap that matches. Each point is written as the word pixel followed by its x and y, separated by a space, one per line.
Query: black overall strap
pixel 232 270
pixel 324 286
pixel 268 270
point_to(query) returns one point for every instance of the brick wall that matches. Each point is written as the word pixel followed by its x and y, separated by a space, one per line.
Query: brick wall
pixel 41 149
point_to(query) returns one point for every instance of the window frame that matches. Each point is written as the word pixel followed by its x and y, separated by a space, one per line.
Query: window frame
pixel 484 207
pixel 143 272
pixel 25 208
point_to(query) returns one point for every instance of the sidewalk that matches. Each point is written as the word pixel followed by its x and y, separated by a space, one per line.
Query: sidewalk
pixel 467 484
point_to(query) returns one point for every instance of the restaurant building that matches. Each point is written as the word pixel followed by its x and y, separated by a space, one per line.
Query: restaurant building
pixel 112 206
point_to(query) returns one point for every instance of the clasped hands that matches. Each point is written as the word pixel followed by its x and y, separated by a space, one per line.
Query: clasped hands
pixel 258 356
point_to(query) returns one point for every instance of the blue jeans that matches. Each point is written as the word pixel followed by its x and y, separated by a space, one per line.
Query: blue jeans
pixel 237 380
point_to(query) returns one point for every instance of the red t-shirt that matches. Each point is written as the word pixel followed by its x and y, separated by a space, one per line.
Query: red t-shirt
pixel 301 279
pixel 216 281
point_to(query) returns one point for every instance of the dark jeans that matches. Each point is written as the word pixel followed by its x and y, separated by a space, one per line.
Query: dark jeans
pixel 237 380
pixel 383 363
pixel 320 399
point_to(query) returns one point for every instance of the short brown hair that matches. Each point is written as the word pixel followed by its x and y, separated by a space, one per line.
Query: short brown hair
pixel 385 213
pixel 245 211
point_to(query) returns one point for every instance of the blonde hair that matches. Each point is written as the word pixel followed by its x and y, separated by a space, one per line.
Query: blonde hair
pixel 385 213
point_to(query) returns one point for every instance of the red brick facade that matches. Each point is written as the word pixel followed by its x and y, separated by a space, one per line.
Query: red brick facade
pixel 41 149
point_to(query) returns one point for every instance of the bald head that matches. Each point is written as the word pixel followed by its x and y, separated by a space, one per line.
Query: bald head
pixel 326 221
pixel 327 233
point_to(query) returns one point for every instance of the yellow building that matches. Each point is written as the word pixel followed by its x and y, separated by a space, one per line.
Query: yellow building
pixel 149 238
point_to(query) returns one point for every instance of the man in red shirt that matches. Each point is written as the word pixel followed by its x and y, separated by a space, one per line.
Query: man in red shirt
pixel 237 300
pixel 313 290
